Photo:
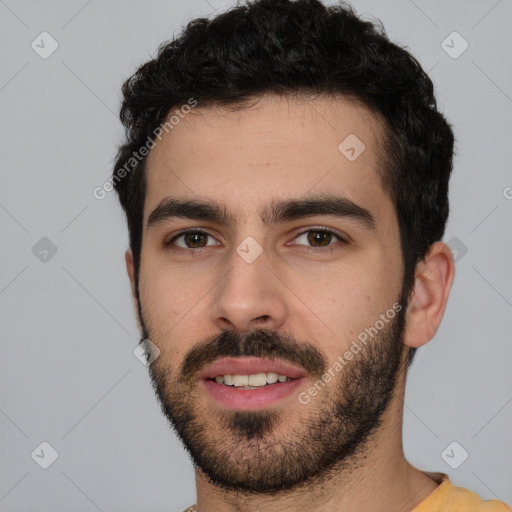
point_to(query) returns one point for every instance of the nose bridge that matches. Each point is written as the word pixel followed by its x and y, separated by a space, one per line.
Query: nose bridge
pixel 249 296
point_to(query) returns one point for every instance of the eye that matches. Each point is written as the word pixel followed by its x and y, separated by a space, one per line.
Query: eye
pixel 191 240
pixel 197 239
pixel 318 238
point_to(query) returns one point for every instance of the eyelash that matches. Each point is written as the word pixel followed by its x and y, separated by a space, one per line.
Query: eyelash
pixel 329 247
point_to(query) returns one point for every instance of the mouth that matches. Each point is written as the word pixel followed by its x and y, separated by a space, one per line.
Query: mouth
pixel 254 381
pixel 250 383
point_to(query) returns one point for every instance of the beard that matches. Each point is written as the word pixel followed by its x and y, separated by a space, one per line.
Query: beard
pixel 257 451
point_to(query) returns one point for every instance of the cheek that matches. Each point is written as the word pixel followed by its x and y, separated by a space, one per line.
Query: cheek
pixel 158 294
pixel 340 301
pixel 331 303
pixel 174 307
pixel 165 298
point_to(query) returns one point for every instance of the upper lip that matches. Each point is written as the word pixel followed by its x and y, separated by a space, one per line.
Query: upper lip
pixel 250 366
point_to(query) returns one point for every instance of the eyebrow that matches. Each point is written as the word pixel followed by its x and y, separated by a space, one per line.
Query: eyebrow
pixel 276 211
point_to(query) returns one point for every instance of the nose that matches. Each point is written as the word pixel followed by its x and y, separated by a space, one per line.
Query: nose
pixel 249 296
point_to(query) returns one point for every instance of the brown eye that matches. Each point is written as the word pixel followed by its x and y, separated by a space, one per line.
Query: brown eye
pixel 191 240
pixel 319 238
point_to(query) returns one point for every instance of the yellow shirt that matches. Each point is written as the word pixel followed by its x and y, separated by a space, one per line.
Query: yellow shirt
pixel 449 498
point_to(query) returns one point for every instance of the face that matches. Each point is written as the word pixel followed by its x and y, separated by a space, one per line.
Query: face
pixel 271 252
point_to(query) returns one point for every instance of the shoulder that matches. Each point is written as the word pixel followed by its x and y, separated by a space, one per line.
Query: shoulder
pixel 450 498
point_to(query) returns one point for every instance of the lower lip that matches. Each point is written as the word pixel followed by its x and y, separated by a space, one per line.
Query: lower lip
pixel 251 399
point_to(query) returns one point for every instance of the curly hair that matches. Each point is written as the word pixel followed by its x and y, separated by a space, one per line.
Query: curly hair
pixel 297 47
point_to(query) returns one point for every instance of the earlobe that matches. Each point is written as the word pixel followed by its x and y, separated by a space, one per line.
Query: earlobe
pixel 427 304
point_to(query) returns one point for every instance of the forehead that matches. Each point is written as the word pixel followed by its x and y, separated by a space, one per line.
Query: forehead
pixel 279 147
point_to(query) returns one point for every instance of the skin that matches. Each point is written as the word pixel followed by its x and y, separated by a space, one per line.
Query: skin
pixel 287 148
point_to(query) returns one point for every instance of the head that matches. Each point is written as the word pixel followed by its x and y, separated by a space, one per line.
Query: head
pixel 304 155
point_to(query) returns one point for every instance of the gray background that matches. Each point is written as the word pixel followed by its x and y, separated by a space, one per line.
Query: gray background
pixel 68 373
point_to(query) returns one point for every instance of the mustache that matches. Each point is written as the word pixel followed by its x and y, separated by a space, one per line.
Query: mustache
pixel 263 343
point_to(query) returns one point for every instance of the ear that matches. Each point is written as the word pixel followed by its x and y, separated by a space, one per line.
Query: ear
pixel 427 304
pixel 130 268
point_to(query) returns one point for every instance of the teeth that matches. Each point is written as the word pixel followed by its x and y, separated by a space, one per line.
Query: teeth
pixel 254 381
pixel 260 379
pixel 240 380
pixel 272 377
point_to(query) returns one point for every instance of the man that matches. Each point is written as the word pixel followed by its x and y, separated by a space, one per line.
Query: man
pixel 285 180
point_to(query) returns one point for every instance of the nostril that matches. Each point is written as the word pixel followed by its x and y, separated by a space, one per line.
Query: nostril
pixel 227 322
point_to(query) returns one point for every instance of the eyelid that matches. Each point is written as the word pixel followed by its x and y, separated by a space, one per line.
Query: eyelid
pixel 341 237
pixel 182 232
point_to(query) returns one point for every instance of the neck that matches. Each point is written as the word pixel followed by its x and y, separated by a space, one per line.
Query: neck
pixel 378 479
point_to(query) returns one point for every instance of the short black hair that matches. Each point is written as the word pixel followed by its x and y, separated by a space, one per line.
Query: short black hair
pixel 299 47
